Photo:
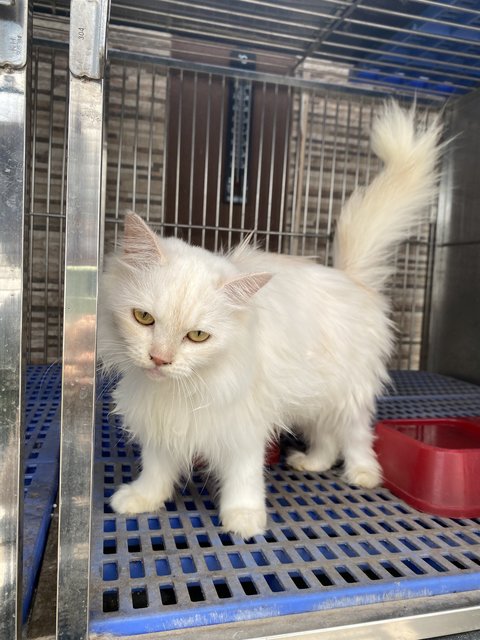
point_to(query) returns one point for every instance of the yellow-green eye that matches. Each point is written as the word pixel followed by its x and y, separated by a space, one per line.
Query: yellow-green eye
pixel 198 336
pixel 143 317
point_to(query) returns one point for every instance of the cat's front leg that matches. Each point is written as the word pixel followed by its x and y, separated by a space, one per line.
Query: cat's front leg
pixel 152 488
pixel 242 491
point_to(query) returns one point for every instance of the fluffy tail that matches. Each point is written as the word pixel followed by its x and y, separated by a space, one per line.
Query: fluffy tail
pixel 377 218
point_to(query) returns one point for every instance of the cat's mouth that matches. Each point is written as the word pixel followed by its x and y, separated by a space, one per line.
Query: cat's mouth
pixel 155 374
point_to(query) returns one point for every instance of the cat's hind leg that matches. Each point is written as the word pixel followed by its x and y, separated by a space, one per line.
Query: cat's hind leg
pixel 361 465
pixel 322 452
pixel 152 488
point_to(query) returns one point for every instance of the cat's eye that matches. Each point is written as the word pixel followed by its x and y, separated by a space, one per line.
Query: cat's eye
pixel 198 336
pixel 143 317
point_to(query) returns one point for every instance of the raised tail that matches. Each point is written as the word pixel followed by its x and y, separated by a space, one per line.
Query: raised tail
pixel 377 218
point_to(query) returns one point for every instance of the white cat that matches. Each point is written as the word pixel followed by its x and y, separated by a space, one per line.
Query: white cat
pixel 218 352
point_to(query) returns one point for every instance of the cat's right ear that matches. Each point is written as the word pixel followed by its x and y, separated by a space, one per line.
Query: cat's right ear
pixel 140 243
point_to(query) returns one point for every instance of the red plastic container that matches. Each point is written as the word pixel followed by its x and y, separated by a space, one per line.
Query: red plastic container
pixel 433 464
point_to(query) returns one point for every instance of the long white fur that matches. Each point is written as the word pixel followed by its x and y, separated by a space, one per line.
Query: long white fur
pixel 293 344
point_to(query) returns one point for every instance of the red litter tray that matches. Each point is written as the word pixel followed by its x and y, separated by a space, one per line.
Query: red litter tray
pixel 432 464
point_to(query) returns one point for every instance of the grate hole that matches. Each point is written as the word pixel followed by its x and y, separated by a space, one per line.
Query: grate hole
pixel 188 565
pixel 347 549
pixel 369 572
pixel 304 554
pixel 260 558
pixel 195 592
pixel 176 523
pixel 409 544
pixel 203 540
pixel 212 562
pixel 190 506
pixel 222 589
pixel 346 575
pixel 273 582
pixel 181 542
pixel 283 556
pixel 226 539
pixel 369 548
pixel 327 552
pixel 456 563
pixel 134 545
pixel 139 598
pixel 434 564
pixel 299 581
pixel 167 595
pixel 109 546
pixel 110 571
pixel 269 537
pixel 413 567
pixel 248 586
pixel 109 526
pixel 392 570
pixel 330 531
pixel 196 522
pixel 162 567
pixel 157 543
pixel 136 569
pixel 110 601
pixel 170 505
pixel 236 560
pixel 322 577
pixel 153 524
pixel 131 524
pixel 389 546
pixel 289 535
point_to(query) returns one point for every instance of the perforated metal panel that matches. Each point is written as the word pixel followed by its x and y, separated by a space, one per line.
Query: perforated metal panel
pixel 328 545
pixel 41 468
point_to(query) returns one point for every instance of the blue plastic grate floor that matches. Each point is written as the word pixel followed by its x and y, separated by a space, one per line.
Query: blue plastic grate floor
pixel 42 444
pixel 328 544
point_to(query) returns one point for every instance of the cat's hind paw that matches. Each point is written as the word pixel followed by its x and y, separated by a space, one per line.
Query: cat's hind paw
pixel 245 522
pixel 309 462
pixel 129 500
pixel 366 477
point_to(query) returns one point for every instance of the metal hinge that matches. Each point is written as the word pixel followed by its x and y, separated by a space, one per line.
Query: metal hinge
pixel 13 33
pixel 88 35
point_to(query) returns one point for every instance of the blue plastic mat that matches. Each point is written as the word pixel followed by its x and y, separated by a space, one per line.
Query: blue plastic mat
pixel 328 545
pixel 41 468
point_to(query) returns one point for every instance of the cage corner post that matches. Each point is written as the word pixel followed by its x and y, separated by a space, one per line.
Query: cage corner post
pixel 88 26
pixel 14 133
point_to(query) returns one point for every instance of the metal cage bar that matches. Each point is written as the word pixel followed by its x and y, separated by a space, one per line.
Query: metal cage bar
pixel 83 219
pixel 14 87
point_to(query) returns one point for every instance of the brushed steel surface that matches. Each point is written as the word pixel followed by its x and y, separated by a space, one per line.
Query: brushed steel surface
pixel 88 32
pixel 13 33
pixel 82 255
pixel 13 163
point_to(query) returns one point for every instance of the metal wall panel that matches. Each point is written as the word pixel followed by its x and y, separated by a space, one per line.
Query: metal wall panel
pixel 454 331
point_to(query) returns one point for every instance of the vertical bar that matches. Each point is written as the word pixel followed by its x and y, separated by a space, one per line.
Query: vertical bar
pixel 299 171
pixel 135 142
pixel 165 146
pixel 245 173
pixel 332 184
pixel 47 216
pixel 320 176
pixel 309 134
pixel 120 150
pixel 219 165
pixel 179 151
pixel 234 134
pixel 33 151
pixel 150 143
pixel 272 171
pixel 260 161
pixel 83 215
pixel 14 86
pixel 285 171
pixel 207 159
pixel 192 157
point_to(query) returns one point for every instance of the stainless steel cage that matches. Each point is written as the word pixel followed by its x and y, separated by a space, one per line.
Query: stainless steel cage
pixel 162 122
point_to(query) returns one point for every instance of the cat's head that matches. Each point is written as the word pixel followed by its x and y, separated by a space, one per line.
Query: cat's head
pixel 170 309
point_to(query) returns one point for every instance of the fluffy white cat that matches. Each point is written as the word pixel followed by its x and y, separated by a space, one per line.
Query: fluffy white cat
pixel 218 352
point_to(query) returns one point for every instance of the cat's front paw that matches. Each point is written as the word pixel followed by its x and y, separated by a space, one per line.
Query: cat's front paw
pixel 128 499
pixel 245 522
pixel 309 462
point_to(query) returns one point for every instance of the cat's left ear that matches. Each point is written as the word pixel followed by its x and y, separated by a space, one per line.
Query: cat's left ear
pixel 140 243
pixel 239 290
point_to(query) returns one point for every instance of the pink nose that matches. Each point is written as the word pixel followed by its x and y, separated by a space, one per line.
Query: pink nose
pixel 159 361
